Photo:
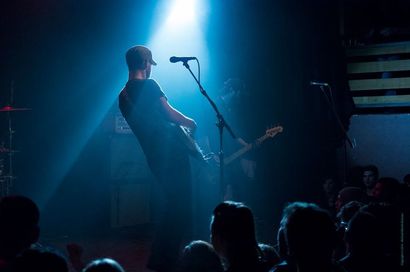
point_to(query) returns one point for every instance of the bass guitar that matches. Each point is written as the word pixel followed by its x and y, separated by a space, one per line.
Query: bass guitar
pixel 269 133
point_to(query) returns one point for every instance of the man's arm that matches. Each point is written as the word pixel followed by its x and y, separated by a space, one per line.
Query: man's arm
pixel 241 141
pixel 175 116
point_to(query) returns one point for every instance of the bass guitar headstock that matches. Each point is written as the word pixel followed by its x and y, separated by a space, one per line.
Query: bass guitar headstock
pixel 271 132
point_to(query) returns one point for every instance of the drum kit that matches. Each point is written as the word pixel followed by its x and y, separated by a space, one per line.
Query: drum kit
pixel 6 149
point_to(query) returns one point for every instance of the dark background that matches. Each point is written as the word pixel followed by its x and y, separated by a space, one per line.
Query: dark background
pixel 64 59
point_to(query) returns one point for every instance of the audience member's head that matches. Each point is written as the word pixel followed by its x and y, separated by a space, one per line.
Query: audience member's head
pixel 386 190
pixel 19 217
pixel 233 234
pixel 370 174
pixel 281 238
pixel 406 180
pixel 310 235
pixel 200 256
pixel 331 188
pixel 363 235
pixel 38 260
pixel 330 185
pixel 281 244
pixel 347 212
pixel 270 255
pixel 349 194
pixel 364 238
pixel 103 265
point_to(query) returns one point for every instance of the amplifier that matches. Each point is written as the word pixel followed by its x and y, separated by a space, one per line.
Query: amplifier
pixel 121 126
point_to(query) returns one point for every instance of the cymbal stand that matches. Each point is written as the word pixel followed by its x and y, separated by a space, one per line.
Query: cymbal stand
pixel 7 180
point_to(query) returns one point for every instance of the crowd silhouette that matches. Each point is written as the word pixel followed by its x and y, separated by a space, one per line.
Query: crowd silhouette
pixel 365 229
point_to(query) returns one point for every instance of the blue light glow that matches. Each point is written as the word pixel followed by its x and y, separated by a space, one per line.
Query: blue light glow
pixel 179 33
pixel 182 12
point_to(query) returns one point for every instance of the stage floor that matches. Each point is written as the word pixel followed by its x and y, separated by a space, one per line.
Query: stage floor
pixel 129 246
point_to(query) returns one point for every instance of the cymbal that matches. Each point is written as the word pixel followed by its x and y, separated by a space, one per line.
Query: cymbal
pixel 10 108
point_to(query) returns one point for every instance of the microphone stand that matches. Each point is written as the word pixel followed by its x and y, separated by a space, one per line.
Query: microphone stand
pixel 221 124
pixel 331 104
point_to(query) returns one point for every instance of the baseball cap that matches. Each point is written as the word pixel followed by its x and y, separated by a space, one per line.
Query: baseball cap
pixel 137 55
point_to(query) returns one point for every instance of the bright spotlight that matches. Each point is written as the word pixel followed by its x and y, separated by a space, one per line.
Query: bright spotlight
pixel 179 33
pixel 182 12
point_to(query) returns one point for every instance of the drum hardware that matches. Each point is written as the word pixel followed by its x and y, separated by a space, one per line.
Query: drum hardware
pixel 7 177
pixel 10 109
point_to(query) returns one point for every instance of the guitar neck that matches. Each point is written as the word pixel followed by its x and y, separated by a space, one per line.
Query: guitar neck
pixel 237 154
pixel 244 150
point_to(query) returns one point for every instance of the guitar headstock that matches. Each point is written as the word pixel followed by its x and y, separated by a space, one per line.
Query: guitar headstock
pixel 271 132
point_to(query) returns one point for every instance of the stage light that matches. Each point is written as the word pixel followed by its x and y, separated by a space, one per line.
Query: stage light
pixel 179 32
pixel 182 12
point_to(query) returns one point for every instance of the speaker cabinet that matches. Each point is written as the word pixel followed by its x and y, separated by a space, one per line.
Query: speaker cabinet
pixel 131 182
pixel 130 204
pixel 127 159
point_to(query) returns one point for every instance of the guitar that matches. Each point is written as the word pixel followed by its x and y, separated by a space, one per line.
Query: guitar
pixel 185 138
pixel 269 133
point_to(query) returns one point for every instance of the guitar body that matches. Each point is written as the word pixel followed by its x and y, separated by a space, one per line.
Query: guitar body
pixel 185 138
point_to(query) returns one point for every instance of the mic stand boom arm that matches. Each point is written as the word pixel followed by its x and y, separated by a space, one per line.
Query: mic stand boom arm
pixel 221 124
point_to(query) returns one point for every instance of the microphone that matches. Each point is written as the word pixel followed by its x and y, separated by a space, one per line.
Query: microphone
pixel 183 59
pixel 317 83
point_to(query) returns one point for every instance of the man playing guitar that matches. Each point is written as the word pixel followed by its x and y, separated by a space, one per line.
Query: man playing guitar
pixel 156 124
pixel 240 171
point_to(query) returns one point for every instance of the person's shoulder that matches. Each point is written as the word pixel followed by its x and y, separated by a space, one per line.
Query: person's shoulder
pixel 123 92
pixel 152 83
pixel 282 267
pixel 154 88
